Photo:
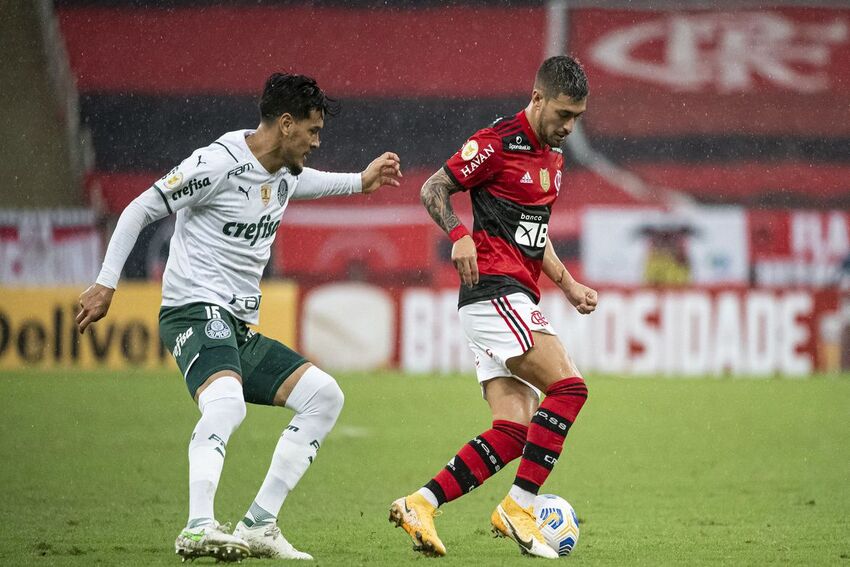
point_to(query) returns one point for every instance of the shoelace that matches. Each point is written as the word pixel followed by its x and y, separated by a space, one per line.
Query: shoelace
pixel 272 531
pixel 223 527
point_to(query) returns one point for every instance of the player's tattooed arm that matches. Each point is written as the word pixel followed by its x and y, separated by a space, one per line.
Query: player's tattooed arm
pixel 435 194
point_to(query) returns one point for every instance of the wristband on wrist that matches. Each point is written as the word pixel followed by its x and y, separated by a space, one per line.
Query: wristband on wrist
pixel 458 232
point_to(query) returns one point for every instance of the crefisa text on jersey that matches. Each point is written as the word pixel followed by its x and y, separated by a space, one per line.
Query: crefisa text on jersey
pixel 189 188
pixel 251 231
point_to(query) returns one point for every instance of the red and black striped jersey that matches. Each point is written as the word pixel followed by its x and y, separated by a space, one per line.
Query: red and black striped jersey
pixel 513 181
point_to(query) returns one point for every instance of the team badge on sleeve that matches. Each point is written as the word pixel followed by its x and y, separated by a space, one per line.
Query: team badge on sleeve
pixel 266 194
pixel 217 329
pixel 173 179
pixel 469 151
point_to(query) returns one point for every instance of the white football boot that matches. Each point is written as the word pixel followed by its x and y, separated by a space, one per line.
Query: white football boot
pixel 265 540
pixel 211 540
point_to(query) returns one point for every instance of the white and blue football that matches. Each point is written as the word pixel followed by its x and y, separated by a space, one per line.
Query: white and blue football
pixel 557 522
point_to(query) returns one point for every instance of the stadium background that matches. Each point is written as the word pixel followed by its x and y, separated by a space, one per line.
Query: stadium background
pixel 706 194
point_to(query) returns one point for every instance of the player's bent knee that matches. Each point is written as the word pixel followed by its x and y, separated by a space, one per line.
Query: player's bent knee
pixel 317 393
pixel 329 398
pixel 224 395
pixel 332 399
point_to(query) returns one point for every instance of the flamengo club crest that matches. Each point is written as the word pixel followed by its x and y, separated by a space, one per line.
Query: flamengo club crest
pixel 266 194
pixel 544 179
pixel 538 319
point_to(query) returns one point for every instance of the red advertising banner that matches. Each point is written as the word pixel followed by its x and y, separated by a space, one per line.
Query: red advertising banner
pixel 766 71
pixel 800 248
pixel 461 51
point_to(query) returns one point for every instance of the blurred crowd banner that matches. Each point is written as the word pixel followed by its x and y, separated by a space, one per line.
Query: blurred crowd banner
pixel 37 327
pixel 49 247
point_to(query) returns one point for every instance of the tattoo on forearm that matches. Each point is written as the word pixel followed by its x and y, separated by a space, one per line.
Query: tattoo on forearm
pixel 435 195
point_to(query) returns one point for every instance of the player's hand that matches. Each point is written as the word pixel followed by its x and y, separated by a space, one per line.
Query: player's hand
pixel 465 259
pixel 583 298
pixel 94 303
pixel 384 170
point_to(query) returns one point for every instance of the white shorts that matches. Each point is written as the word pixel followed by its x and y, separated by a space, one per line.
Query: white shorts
pixel 500 329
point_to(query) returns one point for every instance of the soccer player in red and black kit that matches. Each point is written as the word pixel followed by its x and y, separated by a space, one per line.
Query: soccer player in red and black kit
pixel 512 171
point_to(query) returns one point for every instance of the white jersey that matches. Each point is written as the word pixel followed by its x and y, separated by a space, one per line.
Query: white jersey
pixel 228 211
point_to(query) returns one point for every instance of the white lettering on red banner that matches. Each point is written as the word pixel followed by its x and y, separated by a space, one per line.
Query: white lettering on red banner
pixel 690 333
pixel 726 52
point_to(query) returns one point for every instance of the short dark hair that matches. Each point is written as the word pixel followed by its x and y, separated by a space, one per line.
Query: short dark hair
pixel 561 74
pixel 297 95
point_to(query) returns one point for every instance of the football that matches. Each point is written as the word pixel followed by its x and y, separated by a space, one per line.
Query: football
pixel 557 522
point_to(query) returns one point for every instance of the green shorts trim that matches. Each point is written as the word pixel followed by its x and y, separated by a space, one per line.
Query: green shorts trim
pixel 205 338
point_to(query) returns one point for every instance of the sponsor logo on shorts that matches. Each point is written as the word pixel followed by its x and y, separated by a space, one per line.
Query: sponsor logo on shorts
pixel 181 340
pixel 538 319
pixel 217 329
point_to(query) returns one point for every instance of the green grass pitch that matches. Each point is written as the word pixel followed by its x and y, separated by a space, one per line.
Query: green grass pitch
pixel 660 471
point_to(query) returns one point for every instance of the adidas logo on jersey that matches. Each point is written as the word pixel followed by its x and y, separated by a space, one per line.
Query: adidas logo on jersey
pixel 526 178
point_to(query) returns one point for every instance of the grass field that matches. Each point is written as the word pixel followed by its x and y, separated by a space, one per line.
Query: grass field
pixel 660 471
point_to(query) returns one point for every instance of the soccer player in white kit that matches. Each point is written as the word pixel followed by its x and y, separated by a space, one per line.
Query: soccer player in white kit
pixel 229 198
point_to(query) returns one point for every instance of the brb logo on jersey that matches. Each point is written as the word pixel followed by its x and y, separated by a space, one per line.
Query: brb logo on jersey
pixel 531 231
pixel 252 231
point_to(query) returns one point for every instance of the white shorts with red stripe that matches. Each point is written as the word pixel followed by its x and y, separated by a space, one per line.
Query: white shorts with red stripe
pixel 500 329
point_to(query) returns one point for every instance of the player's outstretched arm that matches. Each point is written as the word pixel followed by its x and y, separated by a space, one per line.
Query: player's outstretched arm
pixel 95 301
pixel 581 297
pixel 384 170
pixel 435 194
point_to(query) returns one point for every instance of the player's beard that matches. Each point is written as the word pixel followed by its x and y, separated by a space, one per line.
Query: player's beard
pixel 295 170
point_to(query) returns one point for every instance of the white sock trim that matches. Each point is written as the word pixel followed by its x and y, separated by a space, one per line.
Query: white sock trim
pixel 521 496
pixel 429 496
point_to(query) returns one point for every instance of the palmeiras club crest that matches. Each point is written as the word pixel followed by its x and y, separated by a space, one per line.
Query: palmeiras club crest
pixel 282 191
pixel 217 329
